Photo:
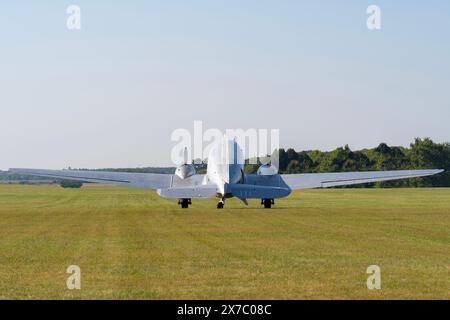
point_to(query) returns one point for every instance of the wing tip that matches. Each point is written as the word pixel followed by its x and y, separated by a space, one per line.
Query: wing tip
pixel 436 171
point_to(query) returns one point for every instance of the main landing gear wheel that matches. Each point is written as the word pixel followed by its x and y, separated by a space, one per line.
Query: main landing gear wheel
pixel 184 203
pixel 267 203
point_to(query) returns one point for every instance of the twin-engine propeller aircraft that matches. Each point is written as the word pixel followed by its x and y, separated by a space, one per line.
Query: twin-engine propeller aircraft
pixel 225 178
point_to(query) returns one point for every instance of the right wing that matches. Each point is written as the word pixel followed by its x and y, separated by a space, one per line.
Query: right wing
pixel 138 180
pixel 326 180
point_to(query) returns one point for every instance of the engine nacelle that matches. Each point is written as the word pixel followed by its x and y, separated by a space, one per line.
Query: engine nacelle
pixel 185 171
pixel 267 170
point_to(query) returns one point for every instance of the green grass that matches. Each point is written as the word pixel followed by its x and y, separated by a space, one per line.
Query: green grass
pixel 316 244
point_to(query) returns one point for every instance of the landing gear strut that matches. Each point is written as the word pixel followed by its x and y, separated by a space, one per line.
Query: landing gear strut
pixel 267 203
pixel 184 203
pixel 221 203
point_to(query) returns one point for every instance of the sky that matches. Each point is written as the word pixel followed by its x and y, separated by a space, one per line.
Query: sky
pixel 111 93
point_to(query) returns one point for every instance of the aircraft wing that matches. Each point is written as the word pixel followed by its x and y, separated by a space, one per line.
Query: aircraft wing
pixel 326 180
pixel 139 180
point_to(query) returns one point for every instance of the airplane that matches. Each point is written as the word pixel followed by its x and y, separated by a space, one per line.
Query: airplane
pixel 225 178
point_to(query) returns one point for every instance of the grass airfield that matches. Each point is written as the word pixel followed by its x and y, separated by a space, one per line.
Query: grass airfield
pixel 132 244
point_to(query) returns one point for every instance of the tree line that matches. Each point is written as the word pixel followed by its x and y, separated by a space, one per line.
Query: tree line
pixel 421 154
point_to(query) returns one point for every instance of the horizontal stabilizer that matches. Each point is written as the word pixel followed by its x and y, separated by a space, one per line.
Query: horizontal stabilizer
pixel 208 191
pixel 249 191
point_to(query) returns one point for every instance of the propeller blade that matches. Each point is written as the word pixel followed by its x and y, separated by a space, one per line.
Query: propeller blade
pixel 185 155
pixel 275 159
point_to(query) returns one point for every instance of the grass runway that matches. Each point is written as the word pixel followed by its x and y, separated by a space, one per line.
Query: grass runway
pixel 132 244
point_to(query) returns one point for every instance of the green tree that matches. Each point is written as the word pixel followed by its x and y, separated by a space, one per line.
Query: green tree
pixel 425 154
pixel 294 167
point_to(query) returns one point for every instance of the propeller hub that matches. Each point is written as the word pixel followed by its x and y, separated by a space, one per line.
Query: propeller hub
pixel 185 171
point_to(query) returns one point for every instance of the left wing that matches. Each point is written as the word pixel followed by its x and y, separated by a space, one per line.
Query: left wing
pixel 326 180
pixel 139 180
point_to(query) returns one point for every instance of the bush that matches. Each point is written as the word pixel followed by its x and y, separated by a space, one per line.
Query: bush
pixel 71 184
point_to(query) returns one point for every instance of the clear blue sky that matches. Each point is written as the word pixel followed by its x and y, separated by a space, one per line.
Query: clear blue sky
pixel 110 94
